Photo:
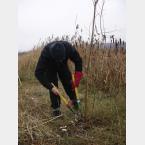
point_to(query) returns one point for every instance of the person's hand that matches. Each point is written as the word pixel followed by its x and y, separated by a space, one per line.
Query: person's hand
pixel 77 77
pixel 70 103
pixel 55 90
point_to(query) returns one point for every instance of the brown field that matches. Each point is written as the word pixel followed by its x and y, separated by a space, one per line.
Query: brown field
pixel 105 121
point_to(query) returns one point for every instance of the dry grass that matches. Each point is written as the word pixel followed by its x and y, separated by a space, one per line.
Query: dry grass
pixel 105 124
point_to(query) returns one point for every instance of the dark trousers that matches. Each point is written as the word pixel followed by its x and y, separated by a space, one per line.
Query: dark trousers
pixel 64 75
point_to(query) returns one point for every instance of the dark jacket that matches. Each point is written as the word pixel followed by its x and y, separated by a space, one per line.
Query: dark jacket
pixel 47 64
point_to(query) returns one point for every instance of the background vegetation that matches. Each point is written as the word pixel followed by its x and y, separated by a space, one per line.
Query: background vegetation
pixel 102 91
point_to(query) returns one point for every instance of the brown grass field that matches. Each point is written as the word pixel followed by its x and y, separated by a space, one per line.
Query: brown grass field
pixel 105 123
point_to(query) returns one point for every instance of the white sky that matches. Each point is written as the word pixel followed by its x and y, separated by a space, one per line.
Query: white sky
pixel 38 19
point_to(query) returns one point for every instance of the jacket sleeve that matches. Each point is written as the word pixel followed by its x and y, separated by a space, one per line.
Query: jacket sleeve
pixel 75 57
pixel 40 72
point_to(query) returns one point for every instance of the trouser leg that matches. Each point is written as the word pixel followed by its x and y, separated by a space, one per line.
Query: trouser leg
pixel 66 79
pixel 55 99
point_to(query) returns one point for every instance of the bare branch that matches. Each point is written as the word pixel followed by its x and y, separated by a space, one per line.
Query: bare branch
pixel 101 16
pixel 94 17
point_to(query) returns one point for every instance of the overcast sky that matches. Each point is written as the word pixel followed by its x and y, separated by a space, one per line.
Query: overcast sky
pixel 38 19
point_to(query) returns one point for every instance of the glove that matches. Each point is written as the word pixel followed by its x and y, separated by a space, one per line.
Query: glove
pixel 77 77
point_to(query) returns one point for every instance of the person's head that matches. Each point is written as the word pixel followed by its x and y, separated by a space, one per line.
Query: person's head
pixel 57 51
